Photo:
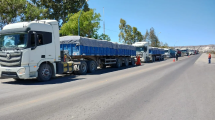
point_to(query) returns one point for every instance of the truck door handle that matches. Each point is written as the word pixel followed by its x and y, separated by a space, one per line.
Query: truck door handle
pixel 43 56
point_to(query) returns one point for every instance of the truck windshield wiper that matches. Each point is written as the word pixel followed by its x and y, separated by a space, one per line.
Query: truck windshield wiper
pixel 16 48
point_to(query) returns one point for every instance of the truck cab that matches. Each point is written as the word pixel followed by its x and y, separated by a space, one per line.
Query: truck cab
pixel 29 50
pixel 192 52
pixel 166 53
pixel 142 49
pixel 185 51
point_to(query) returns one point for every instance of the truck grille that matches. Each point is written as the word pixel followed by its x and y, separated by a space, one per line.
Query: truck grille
pixel 10 59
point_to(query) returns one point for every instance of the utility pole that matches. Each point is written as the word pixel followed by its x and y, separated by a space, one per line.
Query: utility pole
pixel 104 20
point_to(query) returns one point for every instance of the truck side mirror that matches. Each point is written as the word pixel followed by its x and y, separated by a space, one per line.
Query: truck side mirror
pixel 145 49
pixel 35 41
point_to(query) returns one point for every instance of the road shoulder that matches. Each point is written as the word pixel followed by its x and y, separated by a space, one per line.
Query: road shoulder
pixel 203 59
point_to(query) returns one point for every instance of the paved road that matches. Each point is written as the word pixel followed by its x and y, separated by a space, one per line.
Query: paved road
pixel 182 90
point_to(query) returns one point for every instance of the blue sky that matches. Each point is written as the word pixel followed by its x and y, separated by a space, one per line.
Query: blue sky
pixel 189 22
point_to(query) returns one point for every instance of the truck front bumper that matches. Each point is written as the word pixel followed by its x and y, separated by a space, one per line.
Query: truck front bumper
pixel 15 72
pixel 166 56
pixel 141 59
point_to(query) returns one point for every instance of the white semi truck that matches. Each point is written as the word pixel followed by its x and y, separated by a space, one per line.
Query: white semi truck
pixel 185 51
pixel 33 50
pixel 148 53
pixel 167 53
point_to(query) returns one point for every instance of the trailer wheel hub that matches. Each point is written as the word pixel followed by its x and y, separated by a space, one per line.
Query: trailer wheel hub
pixel 93 66
pixel 83 67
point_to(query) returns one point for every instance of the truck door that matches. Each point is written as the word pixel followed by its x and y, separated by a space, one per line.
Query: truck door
pixel 36 54
pixel 50 46
pixel 46 46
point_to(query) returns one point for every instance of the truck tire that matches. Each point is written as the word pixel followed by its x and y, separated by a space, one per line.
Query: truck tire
pixel 126 62
pixel 153 58
pixel 118 63
pixel 44 72
pixel 147 59
pixel 82 68
pixel 92 67
pixel 132 62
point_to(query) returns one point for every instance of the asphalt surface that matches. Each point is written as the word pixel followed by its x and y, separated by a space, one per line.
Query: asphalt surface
pixel 167 90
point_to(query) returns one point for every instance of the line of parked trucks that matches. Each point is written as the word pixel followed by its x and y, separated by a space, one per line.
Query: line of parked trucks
pixel 186 52
pixel 35 50
pixel 170 53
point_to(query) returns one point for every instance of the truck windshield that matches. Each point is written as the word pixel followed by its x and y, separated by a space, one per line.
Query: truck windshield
pixel 166 51
pixel 13 40
pixel 141 49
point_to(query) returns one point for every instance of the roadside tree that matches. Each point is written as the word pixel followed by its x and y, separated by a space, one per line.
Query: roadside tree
pixel 89 24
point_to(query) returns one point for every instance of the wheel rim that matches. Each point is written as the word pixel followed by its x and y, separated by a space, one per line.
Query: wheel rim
pixel 118 63
pixel 83 67
pixel 92 66
pixel 132 61
pixel 126 62
pixel 46 73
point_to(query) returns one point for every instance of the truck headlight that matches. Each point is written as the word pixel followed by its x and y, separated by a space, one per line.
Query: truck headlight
pixel 21 71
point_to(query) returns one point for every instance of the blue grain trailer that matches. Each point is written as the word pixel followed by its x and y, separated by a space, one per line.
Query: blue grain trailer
pixel 87 53
pixel 156 53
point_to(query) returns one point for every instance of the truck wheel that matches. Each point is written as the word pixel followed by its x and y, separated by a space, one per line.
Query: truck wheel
pixel 82 68
pixel 153 58
pixel 44 72
pixel 126 62
pixel 132 62
pixel 118 63
pixel 91 66
pixel 147 59
pixel 102 66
